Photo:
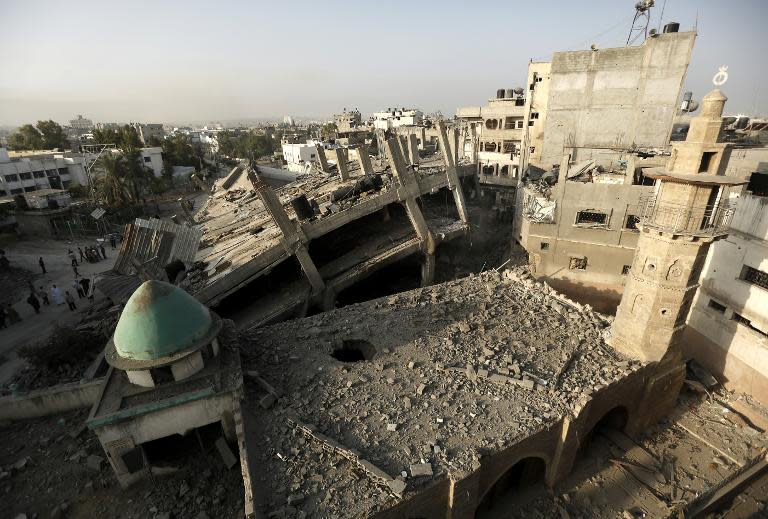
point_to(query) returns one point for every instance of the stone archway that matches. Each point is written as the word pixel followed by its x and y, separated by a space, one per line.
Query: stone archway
pixel 524 474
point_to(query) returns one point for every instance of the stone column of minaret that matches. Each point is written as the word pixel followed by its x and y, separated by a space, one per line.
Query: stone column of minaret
pixel 687 212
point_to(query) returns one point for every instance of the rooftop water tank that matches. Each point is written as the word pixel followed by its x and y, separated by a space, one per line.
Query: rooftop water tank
pixel 672 27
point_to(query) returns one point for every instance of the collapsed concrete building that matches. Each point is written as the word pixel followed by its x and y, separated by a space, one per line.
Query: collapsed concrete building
pixel 279 259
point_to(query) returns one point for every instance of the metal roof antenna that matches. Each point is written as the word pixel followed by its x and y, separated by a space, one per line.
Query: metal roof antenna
pixel 641 21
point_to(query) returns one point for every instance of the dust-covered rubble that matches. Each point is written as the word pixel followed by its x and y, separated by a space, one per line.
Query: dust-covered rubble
pixel 444 375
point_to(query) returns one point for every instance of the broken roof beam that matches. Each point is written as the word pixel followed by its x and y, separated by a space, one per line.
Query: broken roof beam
pixel 413 148
pixel 360 153
pixel 294 240
pixel 409 190
pixel 321 158
pixel 454 184
pixel 341 163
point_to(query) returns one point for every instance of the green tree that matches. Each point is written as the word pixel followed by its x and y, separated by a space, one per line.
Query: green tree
pixel 77 191
pixel 25 138
pixel 124 137
pixel 110 187
pixel 135 176
pixel 53 135
pixel 328 130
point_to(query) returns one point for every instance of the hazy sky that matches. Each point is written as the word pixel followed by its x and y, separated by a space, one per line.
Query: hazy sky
pixel 173 61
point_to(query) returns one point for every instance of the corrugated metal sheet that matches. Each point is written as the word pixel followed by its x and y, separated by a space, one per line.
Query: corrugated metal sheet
pixel 117 287
pixel 149 245
pixel 187 239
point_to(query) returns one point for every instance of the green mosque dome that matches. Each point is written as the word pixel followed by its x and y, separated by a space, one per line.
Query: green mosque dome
pixel 160 324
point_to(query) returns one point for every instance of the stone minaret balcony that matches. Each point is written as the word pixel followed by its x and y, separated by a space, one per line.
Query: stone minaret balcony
pixel 705 220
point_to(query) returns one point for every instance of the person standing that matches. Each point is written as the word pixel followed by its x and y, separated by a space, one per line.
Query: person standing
pixel 78 288
pixel 70 300
pixel 56 295
pixel 81 254
pixel 72 257
pixel 74 269
pixel 86 284
pixel 44 297
pixel 103 252
pixel 33 302
pixel 112 241
pixel 42 264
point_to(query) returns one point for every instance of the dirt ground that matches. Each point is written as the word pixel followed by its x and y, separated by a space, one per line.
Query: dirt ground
pixel 53 467
pixel 24 254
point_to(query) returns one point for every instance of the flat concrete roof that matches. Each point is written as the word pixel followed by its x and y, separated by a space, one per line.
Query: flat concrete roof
pixel 456 370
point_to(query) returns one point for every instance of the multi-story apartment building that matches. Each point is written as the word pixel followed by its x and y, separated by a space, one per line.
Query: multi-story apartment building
pixel 498 131
pixel 32 171
pixel 608 115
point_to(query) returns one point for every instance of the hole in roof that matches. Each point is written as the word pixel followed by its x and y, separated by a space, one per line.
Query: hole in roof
pixel 354 350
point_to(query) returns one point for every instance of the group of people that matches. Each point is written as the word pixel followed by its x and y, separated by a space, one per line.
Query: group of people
pixel 38 298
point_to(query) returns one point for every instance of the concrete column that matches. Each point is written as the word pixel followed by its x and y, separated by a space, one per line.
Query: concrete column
pixel 380 139
pixel 428 270
pixel 364 159
pixel 403 140
pixel 294 240
pixel 321 158
pixel 453 176
pixel 413 148
pixel 409 191
pixel 341 163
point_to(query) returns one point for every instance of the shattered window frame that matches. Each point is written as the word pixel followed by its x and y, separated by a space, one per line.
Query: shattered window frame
pixel 631 222
pixel 589 218
pixel 577 263
pixel 754 276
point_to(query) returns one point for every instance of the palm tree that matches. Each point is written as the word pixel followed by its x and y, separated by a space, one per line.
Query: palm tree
pixel 136 176
pixel 111 188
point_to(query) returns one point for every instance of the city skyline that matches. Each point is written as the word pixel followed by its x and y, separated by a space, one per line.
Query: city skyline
pixel 183 62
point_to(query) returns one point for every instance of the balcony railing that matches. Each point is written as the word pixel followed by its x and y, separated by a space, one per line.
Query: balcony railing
pixel 708 220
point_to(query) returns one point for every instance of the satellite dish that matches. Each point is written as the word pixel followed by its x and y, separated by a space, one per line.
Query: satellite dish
pixel 518 90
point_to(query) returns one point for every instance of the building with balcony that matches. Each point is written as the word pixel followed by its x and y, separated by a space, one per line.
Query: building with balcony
pixel 495 137
pixel 25 172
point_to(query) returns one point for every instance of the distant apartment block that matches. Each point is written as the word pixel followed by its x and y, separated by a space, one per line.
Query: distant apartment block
pixel 28 172
pixel 396 117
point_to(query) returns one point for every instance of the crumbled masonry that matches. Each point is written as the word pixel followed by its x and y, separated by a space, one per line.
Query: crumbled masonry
pixel 461 369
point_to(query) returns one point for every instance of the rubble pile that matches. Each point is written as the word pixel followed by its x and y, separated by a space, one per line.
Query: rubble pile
pixel 54 467
pixel 442 375
pixel 67 353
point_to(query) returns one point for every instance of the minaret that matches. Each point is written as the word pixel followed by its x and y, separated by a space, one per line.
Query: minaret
pixel 687 212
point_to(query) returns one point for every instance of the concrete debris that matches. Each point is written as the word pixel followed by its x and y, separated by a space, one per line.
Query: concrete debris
pixel 229 459
pixel 421 469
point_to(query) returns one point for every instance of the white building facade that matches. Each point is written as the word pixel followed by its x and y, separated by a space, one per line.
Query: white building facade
pixel 28 173
pixel 395 117
pixel 298 157
pixel 728 324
